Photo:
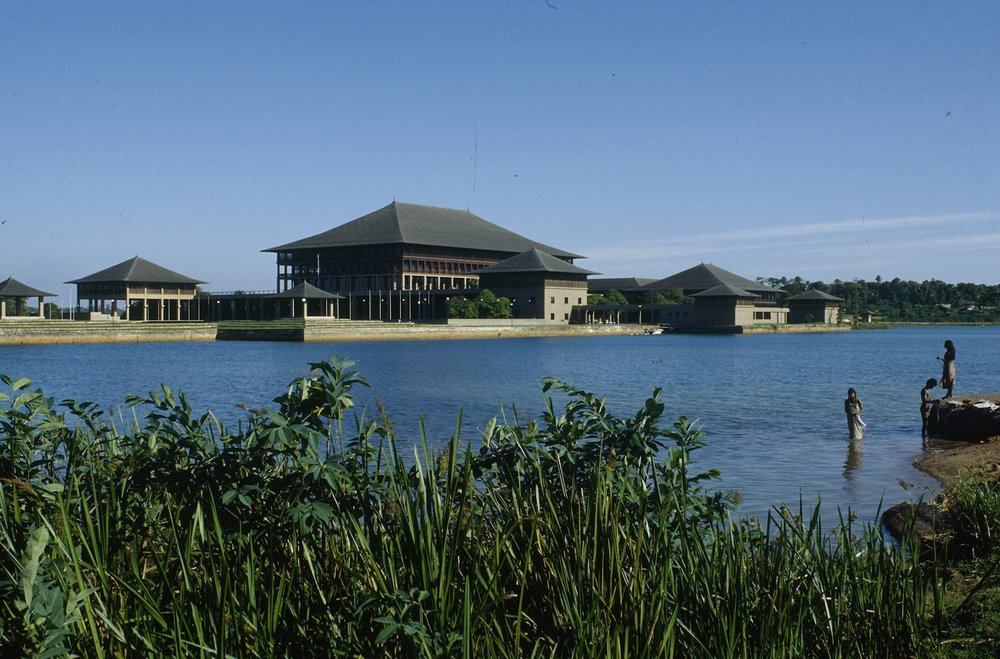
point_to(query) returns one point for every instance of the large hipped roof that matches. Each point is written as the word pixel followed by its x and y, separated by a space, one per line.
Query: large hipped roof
pixel 136 270
pixel 534 260
pixel 413 224
pixel 705 276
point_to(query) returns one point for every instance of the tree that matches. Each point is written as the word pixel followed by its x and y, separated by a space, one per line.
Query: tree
pixel 490 306
pixel 616 297
pixel 486 305
pixel 671 295
pixel 460 307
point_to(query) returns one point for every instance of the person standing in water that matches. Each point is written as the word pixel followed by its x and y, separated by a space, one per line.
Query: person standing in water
pixel 853 409
pixel 926 404
pixel 948 368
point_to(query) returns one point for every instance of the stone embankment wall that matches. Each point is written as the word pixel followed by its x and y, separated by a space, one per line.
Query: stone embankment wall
pixel 32 332
pixel 25 332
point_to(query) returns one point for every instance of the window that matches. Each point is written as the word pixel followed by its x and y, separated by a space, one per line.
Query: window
pixel 552 316
pixel 552 300
pixel 565 300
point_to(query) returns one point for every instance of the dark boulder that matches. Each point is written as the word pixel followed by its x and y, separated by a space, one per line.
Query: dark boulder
pixel 967 419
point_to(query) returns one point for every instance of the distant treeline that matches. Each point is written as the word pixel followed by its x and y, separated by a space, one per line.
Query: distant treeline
pixel 899 300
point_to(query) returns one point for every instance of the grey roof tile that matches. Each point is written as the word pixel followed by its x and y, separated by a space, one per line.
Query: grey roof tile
pixel 13 288
pixel 724 290
pixel 534 260
pixel 813 294
pixel 136 270
pixel 414 224
pixel 705 276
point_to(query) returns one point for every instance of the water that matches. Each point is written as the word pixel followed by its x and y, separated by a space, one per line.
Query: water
pixel 771 405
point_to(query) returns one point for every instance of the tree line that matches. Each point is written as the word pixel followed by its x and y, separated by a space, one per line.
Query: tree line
pixel 903 300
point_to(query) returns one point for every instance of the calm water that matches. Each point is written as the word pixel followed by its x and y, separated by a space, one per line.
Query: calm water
pixel 771 405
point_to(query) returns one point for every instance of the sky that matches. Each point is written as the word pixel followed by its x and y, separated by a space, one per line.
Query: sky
pixel 826 140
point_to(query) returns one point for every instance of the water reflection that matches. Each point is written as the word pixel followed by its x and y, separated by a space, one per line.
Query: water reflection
pixel 853 462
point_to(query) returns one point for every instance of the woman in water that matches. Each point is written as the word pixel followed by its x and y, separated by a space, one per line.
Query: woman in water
pixel 853 409
pixel 948 368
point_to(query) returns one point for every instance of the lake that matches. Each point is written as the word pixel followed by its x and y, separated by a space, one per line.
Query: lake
pixel 771 405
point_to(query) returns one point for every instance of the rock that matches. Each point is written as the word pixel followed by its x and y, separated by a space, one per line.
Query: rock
pixel 969 419
pixel 922 525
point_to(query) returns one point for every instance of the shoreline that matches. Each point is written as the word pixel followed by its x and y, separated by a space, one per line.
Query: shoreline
pixel 64 332
pixel 956 459
pixel 950 465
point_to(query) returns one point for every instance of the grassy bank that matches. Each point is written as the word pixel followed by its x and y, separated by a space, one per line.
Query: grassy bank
pixel 305 532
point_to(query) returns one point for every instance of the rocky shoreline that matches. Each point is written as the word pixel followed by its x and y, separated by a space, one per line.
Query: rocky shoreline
pixel 976 457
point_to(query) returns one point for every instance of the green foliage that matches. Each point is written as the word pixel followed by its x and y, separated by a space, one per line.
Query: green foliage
pixel 907 301
pixel 595 299
pixel 486 305
pixel 672 295
pixel 460 307
pixel 305 533
pixel 974 504
pixel 616 298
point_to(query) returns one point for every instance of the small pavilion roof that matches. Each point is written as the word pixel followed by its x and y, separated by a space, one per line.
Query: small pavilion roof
pixel 308 291
pixel 136 270
pixel 13 288
pixel 413 224
pixel 705 276
pixel 534 260
pixel 813 294
pixel 725 290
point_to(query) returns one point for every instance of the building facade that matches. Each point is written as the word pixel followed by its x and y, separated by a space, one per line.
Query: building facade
pixel 539 285
pixel 814 306
pixel 401 261
pixel 721 299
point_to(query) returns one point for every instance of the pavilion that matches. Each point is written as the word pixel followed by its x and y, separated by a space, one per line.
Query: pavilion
pixel 13 289
pixel 306 293
pixel 147 291
pixel 814 306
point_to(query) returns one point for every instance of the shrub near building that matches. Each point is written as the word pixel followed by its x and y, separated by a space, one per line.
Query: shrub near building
pixel 485 305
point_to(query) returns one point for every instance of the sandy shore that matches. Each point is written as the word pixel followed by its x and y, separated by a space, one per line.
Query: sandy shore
pixel 949 465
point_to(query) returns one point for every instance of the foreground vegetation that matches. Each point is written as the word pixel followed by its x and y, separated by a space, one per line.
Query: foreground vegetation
pixel 305 532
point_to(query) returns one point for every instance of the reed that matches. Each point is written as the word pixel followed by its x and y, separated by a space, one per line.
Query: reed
pixel 305 532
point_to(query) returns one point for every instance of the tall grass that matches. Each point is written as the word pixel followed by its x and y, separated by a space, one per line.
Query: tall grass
pixel 304 532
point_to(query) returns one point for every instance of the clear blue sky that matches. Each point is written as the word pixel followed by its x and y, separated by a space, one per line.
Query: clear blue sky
pixel 826 140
